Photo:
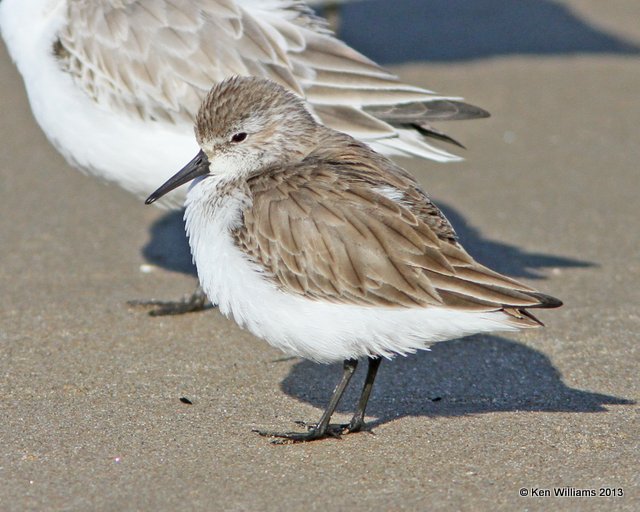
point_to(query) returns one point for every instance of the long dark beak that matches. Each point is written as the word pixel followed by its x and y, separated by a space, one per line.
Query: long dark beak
pixel 199 166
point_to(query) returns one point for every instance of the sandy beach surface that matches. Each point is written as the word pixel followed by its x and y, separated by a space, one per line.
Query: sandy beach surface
pixel 90 388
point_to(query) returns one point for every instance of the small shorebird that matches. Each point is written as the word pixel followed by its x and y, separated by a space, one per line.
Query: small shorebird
pixel 325 248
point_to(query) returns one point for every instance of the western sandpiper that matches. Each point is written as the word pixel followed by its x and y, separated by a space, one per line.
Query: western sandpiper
pixel 325 248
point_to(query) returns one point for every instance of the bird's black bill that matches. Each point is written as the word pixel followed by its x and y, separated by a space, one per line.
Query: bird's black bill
pixel 199 166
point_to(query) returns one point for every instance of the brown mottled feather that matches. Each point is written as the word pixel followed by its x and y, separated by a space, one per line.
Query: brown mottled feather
pixel 326 229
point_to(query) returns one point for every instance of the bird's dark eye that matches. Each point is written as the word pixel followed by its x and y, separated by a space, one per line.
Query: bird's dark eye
pixel 238 137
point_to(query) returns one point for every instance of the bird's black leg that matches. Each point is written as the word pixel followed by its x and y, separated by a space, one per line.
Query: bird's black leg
pixel 357 422
pixel 197 301
pixel 322 428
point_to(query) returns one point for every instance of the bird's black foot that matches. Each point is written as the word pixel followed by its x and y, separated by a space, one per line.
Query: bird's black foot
pixel 356 427
pixel 313 432
pixel 195 302
pixel 323 428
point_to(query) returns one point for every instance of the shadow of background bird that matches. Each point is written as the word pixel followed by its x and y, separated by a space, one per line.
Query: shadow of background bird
pixel 455 30
pixel 475 375
pixel 502 257
pixel 168 246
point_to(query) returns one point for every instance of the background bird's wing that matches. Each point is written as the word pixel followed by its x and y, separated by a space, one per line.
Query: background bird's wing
pixel 347 229
pixel 157 59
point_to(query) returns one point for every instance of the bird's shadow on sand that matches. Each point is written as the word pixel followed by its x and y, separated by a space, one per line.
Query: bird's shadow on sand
pixel 168 248
pixel 479 374
pixel 456 30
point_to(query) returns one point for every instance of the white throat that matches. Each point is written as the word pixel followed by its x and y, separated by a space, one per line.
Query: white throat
pixel 213 211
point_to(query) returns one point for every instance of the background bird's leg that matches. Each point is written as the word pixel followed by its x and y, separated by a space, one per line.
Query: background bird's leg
pixel 197 301
pixel 357 422
pixel 322 428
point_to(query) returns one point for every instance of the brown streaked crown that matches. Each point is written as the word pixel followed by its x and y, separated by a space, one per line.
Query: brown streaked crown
pixel 250 103
pixel 274 125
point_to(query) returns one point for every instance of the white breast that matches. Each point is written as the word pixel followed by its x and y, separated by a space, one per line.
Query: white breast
pixel 319 331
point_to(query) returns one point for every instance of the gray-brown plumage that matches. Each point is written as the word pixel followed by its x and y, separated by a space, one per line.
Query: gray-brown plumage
pixel 331 220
